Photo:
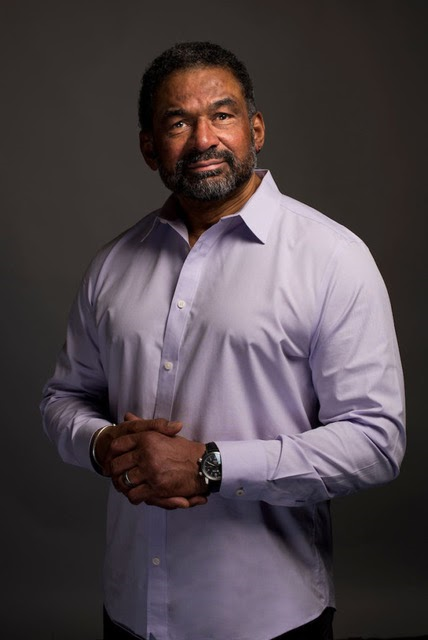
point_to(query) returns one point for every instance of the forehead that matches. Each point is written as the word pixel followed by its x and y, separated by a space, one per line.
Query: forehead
pixel 196 88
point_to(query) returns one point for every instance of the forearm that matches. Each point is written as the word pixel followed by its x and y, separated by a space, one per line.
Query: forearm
pixel 75 399
pixel 70 424
pixel 333 460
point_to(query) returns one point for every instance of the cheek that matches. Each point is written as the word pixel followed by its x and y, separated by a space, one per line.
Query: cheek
pixel 240 148
pixel 237 141
pixel 168 154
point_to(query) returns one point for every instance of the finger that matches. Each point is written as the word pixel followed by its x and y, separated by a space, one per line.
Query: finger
pixel 140 494
pixel 197 501
pixel 163 426
pixel 125 482
pixel 119 485
pixel 116 462
pixel 124 443
pixel 131 478
pixel 124 462
pixel 145 493
pixel 158 424
pixel 131 416
pixel 165 503
pixel 110 435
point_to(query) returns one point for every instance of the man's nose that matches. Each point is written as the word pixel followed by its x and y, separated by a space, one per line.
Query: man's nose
pixel 204 135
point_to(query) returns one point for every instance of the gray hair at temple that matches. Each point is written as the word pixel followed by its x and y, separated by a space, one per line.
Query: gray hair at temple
pixel 188 55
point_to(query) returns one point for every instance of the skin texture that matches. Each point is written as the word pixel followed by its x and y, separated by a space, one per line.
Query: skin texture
pixel 201 127
pixel 162 465
pixel 202 110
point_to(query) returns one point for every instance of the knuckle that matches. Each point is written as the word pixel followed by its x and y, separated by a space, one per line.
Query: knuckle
pixel 157 474
pixel 139 458
pixel 155 464
pixel 114 467
pixel 115 444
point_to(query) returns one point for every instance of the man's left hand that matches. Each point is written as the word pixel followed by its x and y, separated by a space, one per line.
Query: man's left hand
pixel 164 469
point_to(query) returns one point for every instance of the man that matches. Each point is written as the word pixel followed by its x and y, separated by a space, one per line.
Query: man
pixel 244 345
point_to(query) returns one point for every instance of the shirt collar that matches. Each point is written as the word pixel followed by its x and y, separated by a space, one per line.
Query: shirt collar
pixel 261 209
pixel 257 213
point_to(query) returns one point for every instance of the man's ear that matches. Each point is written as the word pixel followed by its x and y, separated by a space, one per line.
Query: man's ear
pixel 148 150
pixel 258 131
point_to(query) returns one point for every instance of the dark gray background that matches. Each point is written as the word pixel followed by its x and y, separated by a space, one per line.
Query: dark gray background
pixel 342 85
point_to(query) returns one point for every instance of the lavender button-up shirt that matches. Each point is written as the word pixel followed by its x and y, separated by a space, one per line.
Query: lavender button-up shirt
pixel 273 337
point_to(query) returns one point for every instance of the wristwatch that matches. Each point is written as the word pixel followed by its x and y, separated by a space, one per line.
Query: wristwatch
pixel 210 467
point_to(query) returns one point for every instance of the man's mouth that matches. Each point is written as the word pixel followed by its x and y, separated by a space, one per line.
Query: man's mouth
pixel 205 165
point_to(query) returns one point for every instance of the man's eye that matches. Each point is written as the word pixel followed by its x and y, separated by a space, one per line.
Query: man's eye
pixel 223 116
pixel 178 125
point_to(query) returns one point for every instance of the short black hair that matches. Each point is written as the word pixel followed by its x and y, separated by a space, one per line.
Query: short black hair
pixel 187 55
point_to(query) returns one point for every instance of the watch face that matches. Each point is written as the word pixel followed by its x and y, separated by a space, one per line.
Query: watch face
pixel 211 465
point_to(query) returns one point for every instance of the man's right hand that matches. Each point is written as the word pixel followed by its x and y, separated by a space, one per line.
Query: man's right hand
pixel 133 424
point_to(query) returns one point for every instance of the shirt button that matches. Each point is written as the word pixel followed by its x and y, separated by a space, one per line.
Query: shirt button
pixel 181 304
pixel 156 561
pixel 168 365
pixel 240 492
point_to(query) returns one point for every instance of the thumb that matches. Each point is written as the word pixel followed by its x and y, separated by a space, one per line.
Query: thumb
pixel 173 428
pixel 158 424
pixel 130 416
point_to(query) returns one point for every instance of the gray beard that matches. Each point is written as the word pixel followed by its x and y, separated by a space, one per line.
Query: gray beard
pixel 209 185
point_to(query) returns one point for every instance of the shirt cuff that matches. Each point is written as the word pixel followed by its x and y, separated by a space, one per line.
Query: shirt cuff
pixel 83 438
pixel 247 467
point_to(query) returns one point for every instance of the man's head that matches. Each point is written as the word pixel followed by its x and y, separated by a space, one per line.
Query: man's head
pixel 200 128
pixel 190 55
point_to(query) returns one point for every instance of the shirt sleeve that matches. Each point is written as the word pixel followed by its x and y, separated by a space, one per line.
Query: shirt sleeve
pixel 75 399
pixel 359 440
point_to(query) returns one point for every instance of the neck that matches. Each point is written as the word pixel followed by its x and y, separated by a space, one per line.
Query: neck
pixel 199 216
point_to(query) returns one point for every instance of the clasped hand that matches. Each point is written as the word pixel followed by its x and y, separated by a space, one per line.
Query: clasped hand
pixel 161 467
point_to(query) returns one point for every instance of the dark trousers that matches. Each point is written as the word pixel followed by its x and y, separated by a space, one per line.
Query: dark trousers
pixel 319 629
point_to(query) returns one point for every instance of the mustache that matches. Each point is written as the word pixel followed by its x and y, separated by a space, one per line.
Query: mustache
pixel 211 154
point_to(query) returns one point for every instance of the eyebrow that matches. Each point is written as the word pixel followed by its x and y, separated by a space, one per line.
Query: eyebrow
pixel 171 113
pixel 223 102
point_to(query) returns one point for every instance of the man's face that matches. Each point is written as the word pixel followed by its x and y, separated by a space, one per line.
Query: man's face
pixel 203 142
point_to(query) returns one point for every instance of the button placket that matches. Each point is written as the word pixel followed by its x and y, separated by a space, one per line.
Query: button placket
pixel 178 315
pixel 180 307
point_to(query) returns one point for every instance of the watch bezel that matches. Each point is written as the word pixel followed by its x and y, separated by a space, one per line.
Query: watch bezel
pixel 212 472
